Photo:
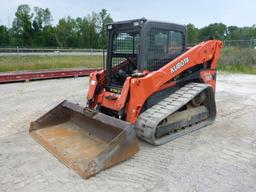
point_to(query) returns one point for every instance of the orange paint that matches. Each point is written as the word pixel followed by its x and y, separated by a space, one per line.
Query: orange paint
pixel 137 90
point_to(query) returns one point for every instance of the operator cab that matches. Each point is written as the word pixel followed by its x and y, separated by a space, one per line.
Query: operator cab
pixel 138 45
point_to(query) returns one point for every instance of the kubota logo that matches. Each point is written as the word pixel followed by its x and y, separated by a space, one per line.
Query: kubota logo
pixel 179 65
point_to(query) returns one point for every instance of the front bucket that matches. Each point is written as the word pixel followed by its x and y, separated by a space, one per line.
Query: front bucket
pixel 83 139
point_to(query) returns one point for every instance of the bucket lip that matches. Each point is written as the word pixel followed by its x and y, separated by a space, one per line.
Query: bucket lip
pixel 91 113
pixel 101 117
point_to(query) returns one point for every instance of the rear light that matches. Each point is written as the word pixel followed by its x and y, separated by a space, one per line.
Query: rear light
pixel 136 23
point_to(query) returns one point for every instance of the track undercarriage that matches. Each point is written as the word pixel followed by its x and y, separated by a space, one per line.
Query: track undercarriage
pixel 186 110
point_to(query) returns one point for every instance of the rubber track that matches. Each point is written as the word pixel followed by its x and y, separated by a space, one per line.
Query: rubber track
pixel 148 121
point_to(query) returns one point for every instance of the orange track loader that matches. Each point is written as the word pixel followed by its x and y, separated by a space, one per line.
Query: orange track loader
pixel 152 87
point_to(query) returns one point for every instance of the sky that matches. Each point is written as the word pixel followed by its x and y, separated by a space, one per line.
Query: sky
pixel 199 12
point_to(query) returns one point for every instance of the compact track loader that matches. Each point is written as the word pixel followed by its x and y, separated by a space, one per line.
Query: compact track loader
pixel 152 86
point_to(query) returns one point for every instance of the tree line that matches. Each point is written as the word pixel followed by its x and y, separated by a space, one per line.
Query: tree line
pixel 220 31
pixel 33 28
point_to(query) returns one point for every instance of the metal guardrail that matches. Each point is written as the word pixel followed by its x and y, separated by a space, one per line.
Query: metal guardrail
pixel 32 50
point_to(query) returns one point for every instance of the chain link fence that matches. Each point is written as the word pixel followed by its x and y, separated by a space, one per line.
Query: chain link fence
pixel 251 44
pixel 9 51
pixel 235 52
pixel 237 55
pixel 24 58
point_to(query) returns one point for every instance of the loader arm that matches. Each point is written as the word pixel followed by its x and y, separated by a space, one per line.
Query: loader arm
pixel 206 53
pixel 151 83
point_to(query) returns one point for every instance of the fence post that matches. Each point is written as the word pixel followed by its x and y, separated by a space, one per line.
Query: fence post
pixel 17 50
pixel 16 65
pixel 103 52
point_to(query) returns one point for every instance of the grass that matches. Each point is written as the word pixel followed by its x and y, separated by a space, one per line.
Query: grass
pixel 238 68
pixel 19 63
pixel 235 60
pixel 238 60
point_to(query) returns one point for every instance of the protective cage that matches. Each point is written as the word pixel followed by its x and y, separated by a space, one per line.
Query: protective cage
pixel 141 45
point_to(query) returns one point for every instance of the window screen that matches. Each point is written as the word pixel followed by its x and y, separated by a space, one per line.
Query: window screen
pixel 125 43
pixel 175 43
pixel 123 56
pixel 163 46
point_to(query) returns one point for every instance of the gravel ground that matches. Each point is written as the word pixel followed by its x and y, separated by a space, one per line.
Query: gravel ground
pixel 220 157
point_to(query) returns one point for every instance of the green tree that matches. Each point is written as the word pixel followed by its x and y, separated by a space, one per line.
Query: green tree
pixel 41 27
pixel 216 30
pixel 49 36
pixel 82 25
pixel 193 33
pixel 104 19
pixel 92 30
pixel 66 33
pixel 233 32
pixel 4 36
pixel 35 29
pixel 86 30
pixel 42 18
pixel 248 32
pixel 22 25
